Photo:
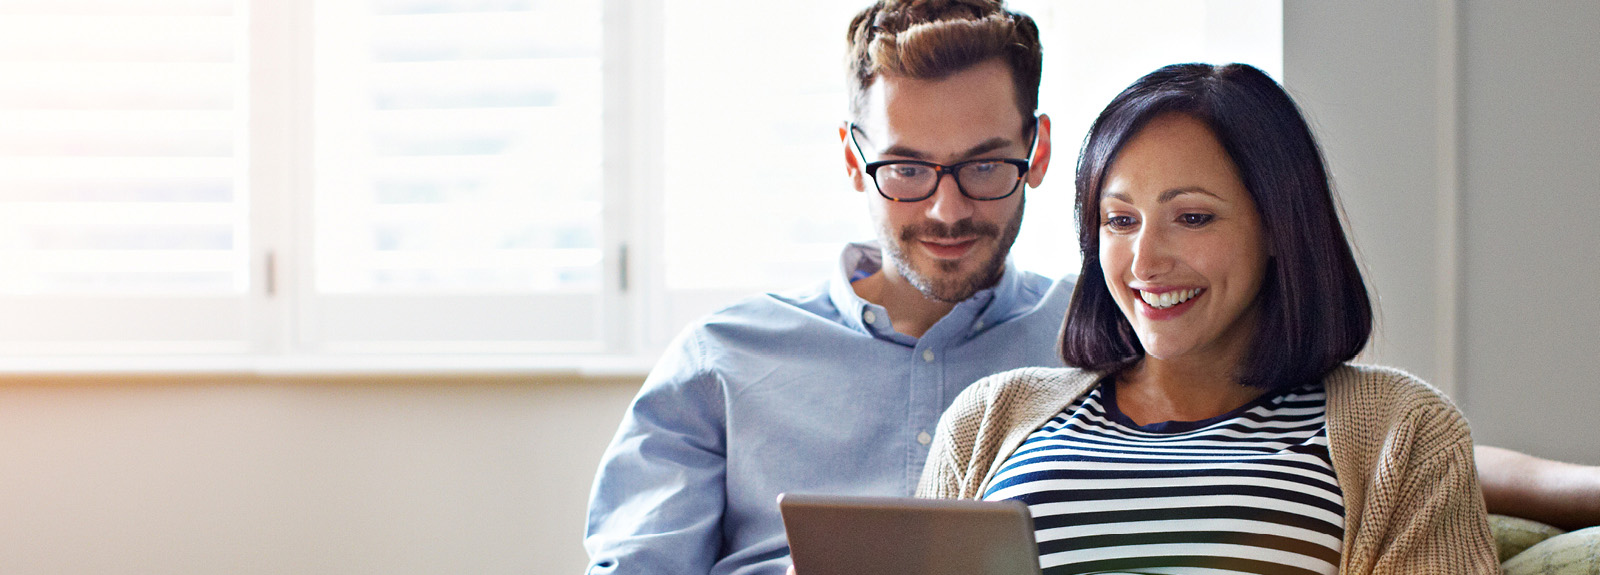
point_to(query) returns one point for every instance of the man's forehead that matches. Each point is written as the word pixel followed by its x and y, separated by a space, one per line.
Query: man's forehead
pixel 933 139
pixel 940 150
pixel 943 116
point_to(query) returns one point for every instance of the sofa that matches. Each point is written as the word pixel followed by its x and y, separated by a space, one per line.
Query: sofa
pixel 1533 548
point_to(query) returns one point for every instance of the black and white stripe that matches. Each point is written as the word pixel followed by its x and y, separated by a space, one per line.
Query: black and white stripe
pixel 1251 491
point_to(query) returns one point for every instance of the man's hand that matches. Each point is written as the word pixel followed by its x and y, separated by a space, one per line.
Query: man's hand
pixel 1562 494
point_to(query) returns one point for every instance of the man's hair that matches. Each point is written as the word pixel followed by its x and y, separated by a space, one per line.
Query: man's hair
pixel 1314 309
pixel 932 39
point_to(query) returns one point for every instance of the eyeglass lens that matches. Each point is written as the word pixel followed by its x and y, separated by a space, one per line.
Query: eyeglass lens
pixel 979 179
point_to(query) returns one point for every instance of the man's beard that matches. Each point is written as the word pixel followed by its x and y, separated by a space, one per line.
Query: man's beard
pixel 947 288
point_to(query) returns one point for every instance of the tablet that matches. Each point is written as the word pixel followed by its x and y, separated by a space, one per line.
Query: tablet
pixel 845 535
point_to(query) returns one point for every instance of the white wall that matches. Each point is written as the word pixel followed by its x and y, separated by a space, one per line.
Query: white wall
pixel 205 475
pixel 1367 80
pixel 1465 140
pixel 1532 245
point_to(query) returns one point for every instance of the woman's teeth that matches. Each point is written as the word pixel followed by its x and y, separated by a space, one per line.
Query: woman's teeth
pixel 1168 299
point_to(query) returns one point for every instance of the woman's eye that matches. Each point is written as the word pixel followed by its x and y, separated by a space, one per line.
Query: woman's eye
pixel 1196 219
pixel 1119 222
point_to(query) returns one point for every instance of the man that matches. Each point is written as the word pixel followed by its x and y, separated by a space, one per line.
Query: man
pixel 837 388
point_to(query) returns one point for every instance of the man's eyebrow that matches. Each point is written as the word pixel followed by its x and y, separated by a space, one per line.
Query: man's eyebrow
pixel 987 146
pixel 1166 196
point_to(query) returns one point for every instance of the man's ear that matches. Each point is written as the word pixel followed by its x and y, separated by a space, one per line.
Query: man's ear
pixel 852 163
pixel 1040 162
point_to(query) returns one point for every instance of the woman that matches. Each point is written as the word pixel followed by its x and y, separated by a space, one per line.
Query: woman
pixel 1210 421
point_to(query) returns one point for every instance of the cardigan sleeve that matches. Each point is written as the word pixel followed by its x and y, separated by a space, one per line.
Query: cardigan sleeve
pixel 1418 506
pixel 941 477
pixel 1403 454
pixel 950 454
pixel 1439 524
pixel 988 419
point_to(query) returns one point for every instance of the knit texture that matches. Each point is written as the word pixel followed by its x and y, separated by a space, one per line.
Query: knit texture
pixel 1401 450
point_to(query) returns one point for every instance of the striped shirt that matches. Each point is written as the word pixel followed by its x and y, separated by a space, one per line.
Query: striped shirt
pixel 1250 491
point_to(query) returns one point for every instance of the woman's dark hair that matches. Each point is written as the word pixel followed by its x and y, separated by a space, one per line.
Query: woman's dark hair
pixel 1314 308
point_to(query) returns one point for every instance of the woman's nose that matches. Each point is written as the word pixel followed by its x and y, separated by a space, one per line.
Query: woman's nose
pixel 1152 255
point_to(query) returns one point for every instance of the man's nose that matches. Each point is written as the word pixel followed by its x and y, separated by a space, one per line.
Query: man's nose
pixel 948 204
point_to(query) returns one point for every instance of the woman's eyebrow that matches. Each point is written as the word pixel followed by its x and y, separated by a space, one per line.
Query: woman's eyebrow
pixel 1168 195
pixel 1165 197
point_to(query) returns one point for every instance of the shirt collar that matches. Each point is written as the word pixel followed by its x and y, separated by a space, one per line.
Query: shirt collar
pixel 996 304
pixel 859 260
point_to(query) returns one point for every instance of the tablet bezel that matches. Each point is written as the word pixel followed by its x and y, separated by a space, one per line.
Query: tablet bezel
pixel 844 534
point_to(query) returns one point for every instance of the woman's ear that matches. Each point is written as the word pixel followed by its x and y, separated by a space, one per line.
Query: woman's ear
pixel 1040 162
pixel 852 162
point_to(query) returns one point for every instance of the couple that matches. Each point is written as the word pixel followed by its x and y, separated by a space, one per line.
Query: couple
pixel 1209 409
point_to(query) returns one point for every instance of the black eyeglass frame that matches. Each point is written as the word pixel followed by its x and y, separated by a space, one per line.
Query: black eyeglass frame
pixel 939 170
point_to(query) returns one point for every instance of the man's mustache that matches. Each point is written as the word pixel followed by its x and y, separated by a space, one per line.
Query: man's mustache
pixel 938 230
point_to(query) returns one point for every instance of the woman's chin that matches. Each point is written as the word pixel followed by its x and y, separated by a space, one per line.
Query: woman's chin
pixel 1162 348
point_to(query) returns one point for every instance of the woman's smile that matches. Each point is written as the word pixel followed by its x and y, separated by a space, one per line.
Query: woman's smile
pixel 1167 304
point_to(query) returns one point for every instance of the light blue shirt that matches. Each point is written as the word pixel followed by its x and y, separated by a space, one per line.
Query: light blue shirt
pixel 806 392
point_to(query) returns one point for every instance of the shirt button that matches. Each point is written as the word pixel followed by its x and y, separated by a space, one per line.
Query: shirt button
pixel 927 355
pixel 924 438
pixel 869 317
pixel 977 326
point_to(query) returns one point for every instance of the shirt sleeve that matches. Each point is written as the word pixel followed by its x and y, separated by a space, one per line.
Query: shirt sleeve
pixel 657 502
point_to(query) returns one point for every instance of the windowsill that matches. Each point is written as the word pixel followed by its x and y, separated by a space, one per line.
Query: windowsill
pixel 398 367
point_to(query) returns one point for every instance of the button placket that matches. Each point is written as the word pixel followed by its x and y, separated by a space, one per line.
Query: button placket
pixel 926 393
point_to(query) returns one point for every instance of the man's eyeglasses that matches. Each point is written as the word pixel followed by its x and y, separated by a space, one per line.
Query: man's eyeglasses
pixel 916 180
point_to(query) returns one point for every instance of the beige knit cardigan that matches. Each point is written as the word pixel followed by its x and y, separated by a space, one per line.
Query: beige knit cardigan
pixel 1400 449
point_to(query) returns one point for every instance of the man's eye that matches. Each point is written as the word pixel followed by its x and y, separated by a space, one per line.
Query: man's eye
pixel 1196 219
pixel 907 171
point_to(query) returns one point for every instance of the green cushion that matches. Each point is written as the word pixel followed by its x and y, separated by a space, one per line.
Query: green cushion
pixel 1575 553
pixel 1514 534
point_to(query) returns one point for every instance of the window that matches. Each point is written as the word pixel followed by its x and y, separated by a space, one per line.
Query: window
pixel 457 198
pixel 543 179
pixel 124 218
